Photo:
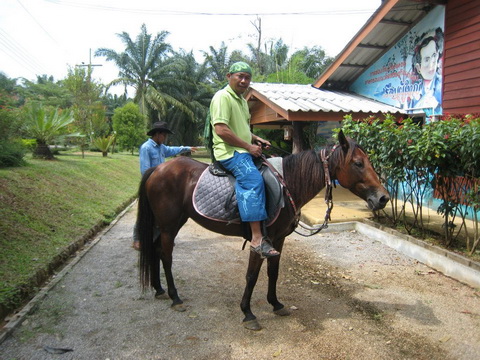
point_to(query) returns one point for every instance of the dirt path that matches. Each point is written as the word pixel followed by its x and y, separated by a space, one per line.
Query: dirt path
pixel 351 298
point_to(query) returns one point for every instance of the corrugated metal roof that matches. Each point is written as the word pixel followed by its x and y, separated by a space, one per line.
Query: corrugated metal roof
pixel 373 42
pixel 306 98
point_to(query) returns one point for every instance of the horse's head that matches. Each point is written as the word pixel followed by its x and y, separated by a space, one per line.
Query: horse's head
pixel 355 172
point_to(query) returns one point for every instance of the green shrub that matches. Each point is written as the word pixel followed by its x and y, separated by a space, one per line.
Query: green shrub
pixel 11 149
pixel 440 159
pixel 29 144
pixel 11 153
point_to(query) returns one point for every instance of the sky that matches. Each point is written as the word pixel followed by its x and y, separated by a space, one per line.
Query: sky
pixel 47 36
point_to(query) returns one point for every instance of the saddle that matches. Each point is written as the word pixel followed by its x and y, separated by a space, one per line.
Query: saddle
pixel 214 195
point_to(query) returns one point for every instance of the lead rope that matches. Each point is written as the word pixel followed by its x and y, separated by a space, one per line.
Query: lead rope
pixel 328 193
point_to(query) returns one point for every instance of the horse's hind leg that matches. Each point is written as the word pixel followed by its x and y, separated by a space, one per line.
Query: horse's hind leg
pixel 155 279
pixel 166 251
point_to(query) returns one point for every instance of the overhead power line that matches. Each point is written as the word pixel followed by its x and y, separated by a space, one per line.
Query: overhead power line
pixel 19 54
pixel 38 23
pixel 150 11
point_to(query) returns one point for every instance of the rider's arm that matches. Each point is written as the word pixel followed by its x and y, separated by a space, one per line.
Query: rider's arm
pixel 231 138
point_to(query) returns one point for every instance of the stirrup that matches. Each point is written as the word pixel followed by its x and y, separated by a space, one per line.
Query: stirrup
pixel 265 249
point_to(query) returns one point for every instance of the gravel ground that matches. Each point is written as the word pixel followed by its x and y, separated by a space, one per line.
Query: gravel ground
pixel 351 298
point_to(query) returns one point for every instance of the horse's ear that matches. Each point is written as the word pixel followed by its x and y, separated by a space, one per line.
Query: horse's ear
pixel 343 141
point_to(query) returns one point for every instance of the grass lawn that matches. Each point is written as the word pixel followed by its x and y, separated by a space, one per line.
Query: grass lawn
pixel 48 205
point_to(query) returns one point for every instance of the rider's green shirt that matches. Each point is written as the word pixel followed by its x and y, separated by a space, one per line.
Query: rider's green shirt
pixel 230 109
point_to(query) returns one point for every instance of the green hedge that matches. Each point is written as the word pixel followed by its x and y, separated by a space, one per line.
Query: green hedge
pixel 415 162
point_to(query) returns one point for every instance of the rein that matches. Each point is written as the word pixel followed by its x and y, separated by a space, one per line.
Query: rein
pixel 324 157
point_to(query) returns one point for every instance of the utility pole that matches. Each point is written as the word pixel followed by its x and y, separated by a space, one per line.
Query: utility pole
pixel 89 65
pixel 88 115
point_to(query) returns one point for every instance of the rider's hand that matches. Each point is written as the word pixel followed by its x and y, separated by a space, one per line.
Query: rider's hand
pixel 255 150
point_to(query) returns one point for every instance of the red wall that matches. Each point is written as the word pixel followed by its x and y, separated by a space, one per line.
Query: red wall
pixel 461 67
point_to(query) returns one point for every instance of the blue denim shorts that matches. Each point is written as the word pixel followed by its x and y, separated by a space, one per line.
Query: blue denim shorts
pixel 250 188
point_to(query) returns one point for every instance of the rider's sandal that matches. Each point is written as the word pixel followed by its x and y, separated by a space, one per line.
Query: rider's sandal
pixel 265 249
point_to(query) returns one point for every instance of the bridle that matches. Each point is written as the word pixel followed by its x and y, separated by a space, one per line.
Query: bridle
pixel 324 158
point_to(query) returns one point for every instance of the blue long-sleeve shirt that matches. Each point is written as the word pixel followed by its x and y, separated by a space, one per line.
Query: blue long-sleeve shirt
pixel 153 154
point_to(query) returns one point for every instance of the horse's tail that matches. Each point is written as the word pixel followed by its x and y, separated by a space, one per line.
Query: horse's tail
pixel 145 224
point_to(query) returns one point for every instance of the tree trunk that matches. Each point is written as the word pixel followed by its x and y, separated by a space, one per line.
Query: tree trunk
pixel 42 151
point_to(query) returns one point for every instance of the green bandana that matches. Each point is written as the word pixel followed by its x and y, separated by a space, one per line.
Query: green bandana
pixel 240 67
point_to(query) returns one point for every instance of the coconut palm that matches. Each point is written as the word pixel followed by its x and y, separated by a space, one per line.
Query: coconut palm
pixel 218 62
pixel 312 61
pixel 191 88
pixel 142 60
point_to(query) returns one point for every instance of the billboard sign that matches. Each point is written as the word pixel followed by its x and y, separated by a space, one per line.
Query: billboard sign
pixel 409 75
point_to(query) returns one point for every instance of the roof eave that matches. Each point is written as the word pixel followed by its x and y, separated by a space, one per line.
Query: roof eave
pixel 376 17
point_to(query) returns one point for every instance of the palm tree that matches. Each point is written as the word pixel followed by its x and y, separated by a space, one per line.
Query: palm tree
pixel 218 62
pixel 191 88
pixel 141 62
pixel 312 61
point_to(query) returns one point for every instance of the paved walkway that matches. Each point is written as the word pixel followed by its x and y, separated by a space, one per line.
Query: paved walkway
pixel 349 209
pixel 346 207
pixel 350 296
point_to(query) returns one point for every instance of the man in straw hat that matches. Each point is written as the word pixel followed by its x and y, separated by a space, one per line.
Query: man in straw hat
pixel 153 152
pixel 235 146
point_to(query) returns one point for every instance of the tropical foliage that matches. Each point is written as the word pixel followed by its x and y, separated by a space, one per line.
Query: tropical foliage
pixel 143 60
pixel 11 149
pixel 44 125
pixel 88 109
pixel 168 85
pixel 104 144
pixel 438 160
pixel 129 126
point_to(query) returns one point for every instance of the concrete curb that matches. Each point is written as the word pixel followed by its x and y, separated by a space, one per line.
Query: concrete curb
pixel 444 261
pixel 19 317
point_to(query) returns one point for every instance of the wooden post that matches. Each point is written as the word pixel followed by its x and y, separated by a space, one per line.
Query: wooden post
pixel 298 137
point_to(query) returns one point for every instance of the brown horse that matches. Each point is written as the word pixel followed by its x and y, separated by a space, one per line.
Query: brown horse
pixel 165 202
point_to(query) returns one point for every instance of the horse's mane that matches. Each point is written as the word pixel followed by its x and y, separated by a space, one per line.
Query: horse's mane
pixel 304 173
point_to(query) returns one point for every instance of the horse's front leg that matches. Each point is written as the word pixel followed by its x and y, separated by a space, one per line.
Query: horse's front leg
pixel 273 265
pixel 254 264
pixel 166 257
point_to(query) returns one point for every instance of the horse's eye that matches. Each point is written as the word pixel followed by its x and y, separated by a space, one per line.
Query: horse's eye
pixel 359 164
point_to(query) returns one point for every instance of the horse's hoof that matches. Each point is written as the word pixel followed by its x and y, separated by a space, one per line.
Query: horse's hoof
pixel 161 295
pixel 179 307
pixel 252 325
pixel 282 312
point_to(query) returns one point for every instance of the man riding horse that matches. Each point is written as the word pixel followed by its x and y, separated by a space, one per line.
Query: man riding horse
pixel 234 146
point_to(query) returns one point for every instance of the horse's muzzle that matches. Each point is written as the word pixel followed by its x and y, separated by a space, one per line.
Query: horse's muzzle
pixel 378 202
